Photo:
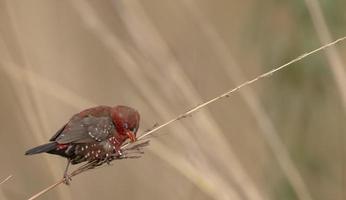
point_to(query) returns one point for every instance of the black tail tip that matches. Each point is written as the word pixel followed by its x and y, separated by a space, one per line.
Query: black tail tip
pixel 41 149
pixel 28 153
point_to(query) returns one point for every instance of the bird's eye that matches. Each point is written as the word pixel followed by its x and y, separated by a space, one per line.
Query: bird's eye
pixel 134 130
pixel 126 126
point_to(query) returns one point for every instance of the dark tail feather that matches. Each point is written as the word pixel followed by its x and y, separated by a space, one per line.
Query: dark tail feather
pixel 42 148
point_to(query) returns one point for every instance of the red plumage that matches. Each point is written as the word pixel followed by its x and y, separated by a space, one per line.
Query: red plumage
pixel 94 134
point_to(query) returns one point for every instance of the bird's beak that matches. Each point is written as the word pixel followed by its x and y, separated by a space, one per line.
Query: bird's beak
pixel 131 136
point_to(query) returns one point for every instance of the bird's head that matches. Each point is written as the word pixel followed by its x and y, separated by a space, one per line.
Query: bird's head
pixel 126 121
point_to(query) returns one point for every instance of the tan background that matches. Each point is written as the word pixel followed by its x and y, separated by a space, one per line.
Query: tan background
pixel 281 138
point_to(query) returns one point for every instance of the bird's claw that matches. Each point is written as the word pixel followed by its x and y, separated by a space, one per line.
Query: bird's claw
pixel 67 179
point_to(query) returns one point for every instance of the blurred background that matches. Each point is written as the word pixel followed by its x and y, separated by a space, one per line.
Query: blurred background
pixel 280 138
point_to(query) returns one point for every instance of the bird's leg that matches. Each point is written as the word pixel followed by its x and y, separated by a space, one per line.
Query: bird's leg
pixel 67 178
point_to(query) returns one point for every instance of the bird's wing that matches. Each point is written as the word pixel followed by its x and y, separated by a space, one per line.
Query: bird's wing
pixel 56 135
pixel 87 129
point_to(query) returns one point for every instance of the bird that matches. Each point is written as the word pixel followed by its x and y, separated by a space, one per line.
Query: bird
pixel 92 135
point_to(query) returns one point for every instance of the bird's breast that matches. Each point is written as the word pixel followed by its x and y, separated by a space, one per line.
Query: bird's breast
pixel 97 150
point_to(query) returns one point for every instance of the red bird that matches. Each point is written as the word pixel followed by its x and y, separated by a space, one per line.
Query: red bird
pixel 95 134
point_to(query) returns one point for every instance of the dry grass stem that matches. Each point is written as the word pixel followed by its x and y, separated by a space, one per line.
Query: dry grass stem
pixel 6 179
pixel 194 109
pixel 30 101
pixel 333 56
pixel 133 151
pixel 210 182
pixel 228 93
pixel 132 64
pixel 232 69
pixel 171 61
pixel 337 67
pixel 144 34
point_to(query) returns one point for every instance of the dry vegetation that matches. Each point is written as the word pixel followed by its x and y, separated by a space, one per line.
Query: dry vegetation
pixel 282 138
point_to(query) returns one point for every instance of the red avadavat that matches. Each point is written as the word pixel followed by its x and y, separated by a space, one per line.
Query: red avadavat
pixel 95 134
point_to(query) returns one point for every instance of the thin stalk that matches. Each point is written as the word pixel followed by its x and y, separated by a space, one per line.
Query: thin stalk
pixel 6 179
pixel 228 93
pixel 196 108
pixel 338 69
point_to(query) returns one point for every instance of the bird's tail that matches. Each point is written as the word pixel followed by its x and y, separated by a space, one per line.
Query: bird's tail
pixel 42 148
